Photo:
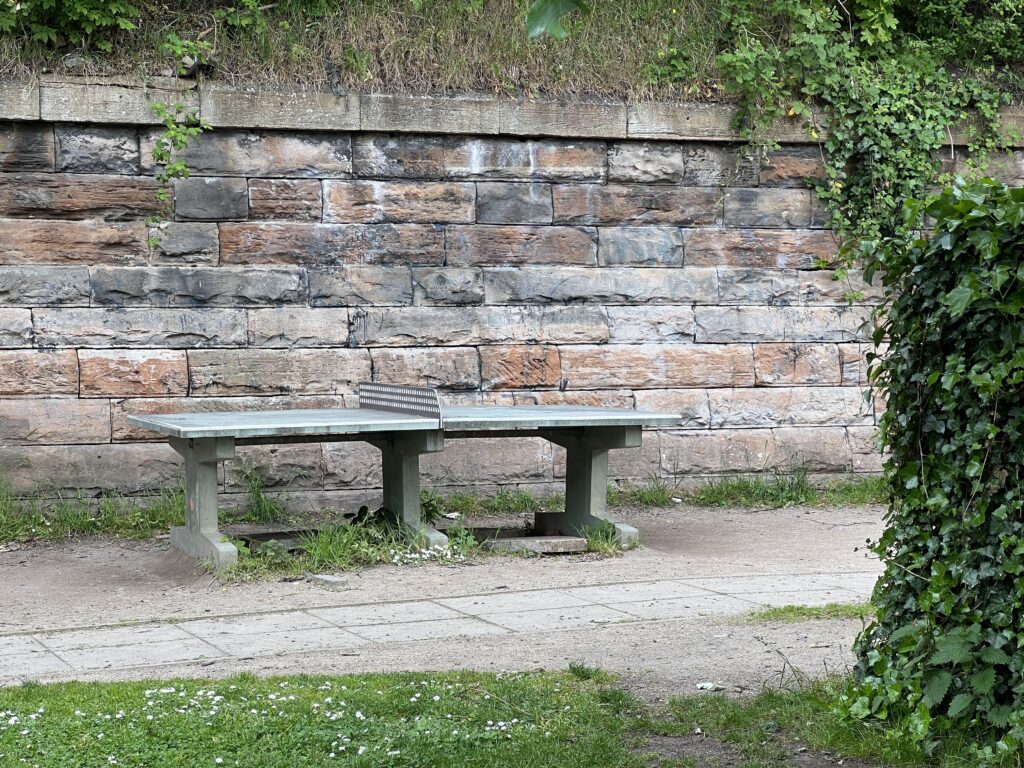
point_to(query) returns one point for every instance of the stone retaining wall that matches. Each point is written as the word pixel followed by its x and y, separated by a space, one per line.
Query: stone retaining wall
pixel 506 252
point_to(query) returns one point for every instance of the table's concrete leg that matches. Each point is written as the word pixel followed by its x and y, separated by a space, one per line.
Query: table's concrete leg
pixel 199 537
pixel 586 480
pixel 400 459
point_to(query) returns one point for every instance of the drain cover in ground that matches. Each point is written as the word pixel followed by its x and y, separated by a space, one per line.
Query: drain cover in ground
pixel 545 545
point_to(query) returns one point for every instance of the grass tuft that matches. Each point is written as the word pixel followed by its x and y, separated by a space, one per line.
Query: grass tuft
pixel 794 613
pixel 786 489
pixel 654 493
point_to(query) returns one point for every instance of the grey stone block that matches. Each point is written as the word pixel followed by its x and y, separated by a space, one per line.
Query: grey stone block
pixel 31 286
pixel 26 146
pixel 231 106
pixel 513 203
pixel 169 328
pixel 184 242
pixel 608 285
pixel 761 324
pixel 19 100
pixel 541 545
pixel 15 327
pixel 297 327
pixel 197 286
pixel 640 246
pixel 111 100
pixel 97 149
pixel 359 285
pixel 451 369
pixel 448 285
pixel 211 199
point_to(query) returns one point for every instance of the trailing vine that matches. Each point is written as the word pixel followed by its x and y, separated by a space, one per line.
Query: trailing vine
pixel 181 125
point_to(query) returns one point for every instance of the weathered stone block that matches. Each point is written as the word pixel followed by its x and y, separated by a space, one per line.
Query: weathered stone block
pixel 260 154
pixel 428 114
pixel 196 286
pixel 768 207
pixel 455 326
pixel 819 449
pixel 448 285
pixel 691 405
pixel 821 216
pixel 442 368
pixel 42 421
pixel 19 100
pixel 604 398
pixel 658 366
pixel 865 451
pixel 764 248
pixel 26 147
pixel 542 160
pixel 708 452
pixel 90 468
pixel 111 100
pixel 298 327
pixel 184 242
pixel 608 285
pixel 282 371
pixel 694 165
pixel 280 467
pixel 624 204
pixel 295 243
pixel 299 199
pixel 640 246
pixel 132 373
pixel 351 465
pixel 403 157
pixel 30 372
pixel 76 196
pixel 518 367
pixel 853 364
pixel 120 409
pixel 33 241
pixel 97 149
pixel 790 406
pixel 501 202
pixel 359 285
pixel 783 364
pixel 487 244
pixel 200 198
pixel 662 120
pixel 786 286
pixel 548 117
pixel 380 202
pixel 169 328
pixel 760 324
pixel 792 166
pixel 501 460
pixel 309 110
pixel 44 286
pixel 645 325
pixel 15 327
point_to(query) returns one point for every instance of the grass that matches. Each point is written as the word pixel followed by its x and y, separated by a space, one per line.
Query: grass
pixel 784 489
pixel 794 613
pixel 654 493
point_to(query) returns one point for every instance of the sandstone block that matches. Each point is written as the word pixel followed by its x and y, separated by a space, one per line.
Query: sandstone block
pixel 625 204
pixel 823 288
pixel 784 364
pixel 330 244
pixel 280 467
pixel 90 468
pixel 47 421
pixel 132 373
pixel 166 328
pixel 280 371
pixel 15 327
pixel 608 285
pixel 234 107
pixel 658 366
pixel 457 368
pixel 19 100
pixel 549 117
pixel 467 462
pixel 182 242
pixel 640 246
pixel 853 364
pixel 358 285
pixel 792 166
pixel 761 324
pixel 759 248
pixel 260 154
pixel 30 372
pixel 97 149
pixel 428 114
pixel 519 367
pixel 865 450
pixel 196 286
pixel 768 207
pixel 790 406
pixel 692 405
pixel 786 286
pixel 351 465
pixel 298 199
pixel 200 198
pixel 457 326
pixel 380 202
pixel 647 325
pixel 487 244
pixel 44 286
pixel 111 100
pixel 691 164
pixel 602 398
pixel 501 202
pixel 26 147
pixel 1007 168
pixel 403 157
pixel 120 409
pixel 662 120
pixel 818 449
pixel 542 160
pixel 710 452
pixel 34 241
pixel 448 285
pixel 298 327
pixel 77 196
pixel 821 217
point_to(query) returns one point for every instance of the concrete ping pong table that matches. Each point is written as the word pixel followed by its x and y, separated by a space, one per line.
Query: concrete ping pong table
pixel 403 422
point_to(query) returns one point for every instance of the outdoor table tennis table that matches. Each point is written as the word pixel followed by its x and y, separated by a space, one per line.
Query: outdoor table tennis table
pixel 403 422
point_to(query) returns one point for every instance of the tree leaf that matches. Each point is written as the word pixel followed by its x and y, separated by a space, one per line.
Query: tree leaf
pixel 545 17
pixel 983 681
pixel 959 703
pixel 935 687
pixel 951 649
pixel 959 299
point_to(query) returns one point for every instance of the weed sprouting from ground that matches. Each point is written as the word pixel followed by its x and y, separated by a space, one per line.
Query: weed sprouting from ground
pixel 654 493
pixel 784 489
pixel 602 539
pixel 794 613
pixel 261 507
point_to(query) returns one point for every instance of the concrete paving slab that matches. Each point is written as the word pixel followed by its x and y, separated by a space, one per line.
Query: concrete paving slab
pixel 405 632
pixel 383 613
pixel 145 654
pixel 687 607
pixel 737 585
pixel 636 591
pixel 808 598
pixel 514 601
pixel 858 582
pixel 18 645
pixel 32 666
pixel 555 619
pixel 289 641
pixel 254 625
pixel 112 636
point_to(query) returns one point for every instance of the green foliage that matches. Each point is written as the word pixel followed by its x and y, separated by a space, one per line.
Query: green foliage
pixel 947 649
pixel 181 126
pixel 83 23
pixel 261 508
pixel 545 17
pixel 654 493
pixel 793 613
pixel 602 539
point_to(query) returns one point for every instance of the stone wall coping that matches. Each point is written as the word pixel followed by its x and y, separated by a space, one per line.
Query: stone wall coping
pixel 114 100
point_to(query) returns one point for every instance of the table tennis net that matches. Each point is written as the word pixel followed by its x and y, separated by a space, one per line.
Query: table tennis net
pixel 420 401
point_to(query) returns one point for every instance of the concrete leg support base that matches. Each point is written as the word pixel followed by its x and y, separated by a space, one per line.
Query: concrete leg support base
pixel 205 546
pixel 400 461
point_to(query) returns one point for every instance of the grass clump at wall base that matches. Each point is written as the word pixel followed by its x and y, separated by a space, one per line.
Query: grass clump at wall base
pixel 782 489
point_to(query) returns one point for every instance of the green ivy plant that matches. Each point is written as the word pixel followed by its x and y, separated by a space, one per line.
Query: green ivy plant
pixel 946 652
pixel 181 125
pixel 83 23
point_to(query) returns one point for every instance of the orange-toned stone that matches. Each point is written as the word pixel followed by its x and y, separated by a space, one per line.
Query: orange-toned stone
pixel 508 245
pixel 132 373
pixel 783 364
pixel 285 199
pixel 517 367
pixel 765 248
pixel 379 202
pixel 37 241
pixel 656 366
pixel 635 204
pixel 32 372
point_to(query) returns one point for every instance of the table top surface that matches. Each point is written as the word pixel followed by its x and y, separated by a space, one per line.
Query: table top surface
pixel 349 421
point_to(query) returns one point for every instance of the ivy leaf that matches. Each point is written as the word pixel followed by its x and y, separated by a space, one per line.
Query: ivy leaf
pixel 935 688
pixel 983 682
pixel 545 17
pixel 959 703
pixel 959 299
